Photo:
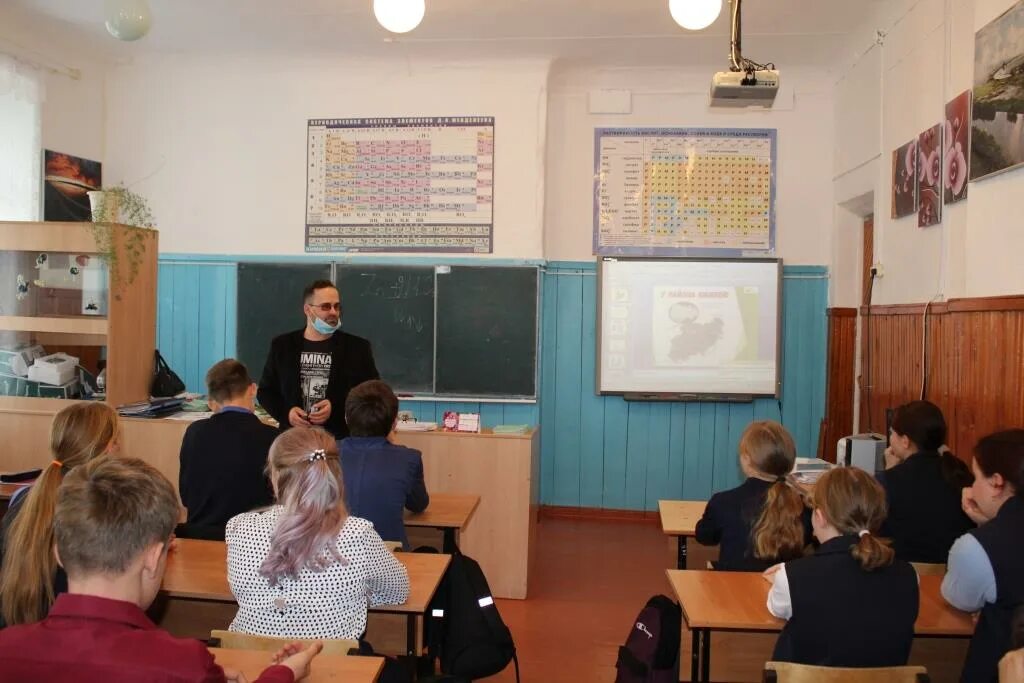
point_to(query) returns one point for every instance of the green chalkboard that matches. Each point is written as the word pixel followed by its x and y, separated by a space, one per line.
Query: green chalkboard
pixel 487 331
pixel 269 304
pixel 393 307
pixel 467 331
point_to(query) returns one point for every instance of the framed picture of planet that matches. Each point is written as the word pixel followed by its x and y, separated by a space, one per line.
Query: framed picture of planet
pixel 66 180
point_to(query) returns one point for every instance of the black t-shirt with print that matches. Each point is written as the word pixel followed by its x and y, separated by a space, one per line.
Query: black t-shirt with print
pixel 314 371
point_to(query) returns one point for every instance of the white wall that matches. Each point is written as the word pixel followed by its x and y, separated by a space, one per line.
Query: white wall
pixel 674 97
pixel 926 59
pixel 218 145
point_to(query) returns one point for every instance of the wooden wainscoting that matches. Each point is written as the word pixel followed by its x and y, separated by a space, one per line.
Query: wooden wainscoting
pixel 975 364
pixel 842 353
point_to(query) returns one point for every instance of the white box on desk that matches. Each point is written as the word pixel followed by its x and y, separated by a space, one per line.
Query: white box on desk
pixel 57 369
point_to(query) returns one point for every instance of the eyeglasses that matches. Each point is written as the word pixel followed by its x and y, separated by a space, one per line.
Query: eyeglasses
pixel 327 308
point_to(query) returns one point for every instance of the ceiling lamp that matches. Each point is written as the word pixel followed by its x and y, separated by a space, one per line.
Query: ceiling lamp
pixel 399 16
pixel 695 14
pixel 127 19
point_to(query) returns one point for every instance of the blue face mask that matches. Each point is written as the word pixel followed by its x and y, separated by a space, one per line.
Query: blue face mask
pixel 325 327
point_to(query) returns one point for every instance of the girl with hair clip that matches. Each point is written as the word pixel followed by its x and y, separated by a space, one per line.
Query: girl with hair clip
pixel 852 603
pixel 304 568
pixel 30 578
pixel 986 565
pixel 922 486
pixel 765 519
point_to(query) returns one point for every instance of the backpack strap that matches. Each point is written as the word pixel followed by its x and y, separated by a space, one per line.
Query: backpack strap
pixel 515 661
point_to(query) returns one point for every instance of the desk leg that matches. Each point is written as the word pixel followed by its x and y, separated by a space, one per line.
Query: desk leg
pixel 705 658
pixel 410 634
pixel 695 648
pixel 448 545
pixel 681 556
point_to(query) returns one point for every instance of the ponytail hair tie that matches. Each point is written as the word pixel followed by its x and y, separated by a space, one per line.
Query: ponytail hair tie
pixel 782 479
pixel 863 532
pixel 58 463
pixel 318 454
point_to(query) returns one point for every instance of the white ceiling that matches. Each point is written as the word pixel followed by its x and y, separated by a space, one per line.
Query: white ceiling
pixel 624 32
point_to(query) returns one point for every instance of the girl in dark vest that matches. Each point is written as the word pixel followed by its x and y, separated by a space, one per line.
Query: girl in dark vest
pixel 764 520
pixel 922 486
pixel 852 603
pixel 986 565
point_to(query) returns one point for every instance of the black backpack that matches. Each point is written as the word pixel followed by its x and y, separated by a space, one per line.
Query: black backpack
pixel 466 631
pixel 651 652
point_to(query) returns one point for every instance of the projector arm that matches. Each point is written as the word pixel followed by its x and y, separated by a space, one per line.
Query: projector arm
pixel 735 37
pixel 737 62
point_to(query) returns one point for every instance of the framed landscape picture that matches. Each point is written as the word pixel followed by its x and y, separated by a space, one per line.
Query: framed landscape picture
pixel 997 126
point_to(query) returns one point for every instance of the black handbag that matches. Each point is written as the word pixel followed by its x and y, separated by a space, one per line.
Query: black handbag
pixel 165 381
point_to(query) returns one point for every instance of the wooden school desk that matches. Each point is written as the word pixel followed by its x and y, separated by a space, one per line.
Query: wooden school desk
pixel 679 518
pixel 737 601
pixel 323 669
pixel 8 490
pixel 449 512
pixel 197 570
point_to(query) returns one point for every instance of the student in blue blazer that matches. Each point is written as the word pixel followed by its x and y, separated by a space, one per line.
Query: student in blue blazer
pixel 381 478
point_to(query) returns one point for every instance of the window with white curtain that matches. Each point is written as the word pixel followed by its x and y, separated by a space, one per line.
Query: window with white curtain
pixel 21 94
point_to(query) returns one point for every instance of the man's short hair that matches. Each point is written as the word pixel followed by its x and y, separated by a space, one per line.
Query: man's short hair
pixel 108 511
pixel 307 293
pixel 371 409
pixel 227 379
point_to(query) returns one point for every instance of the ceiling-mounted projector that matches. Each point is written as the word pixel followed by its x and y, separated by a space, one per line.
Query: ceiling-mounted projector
pixel 744 88
pixel 746 83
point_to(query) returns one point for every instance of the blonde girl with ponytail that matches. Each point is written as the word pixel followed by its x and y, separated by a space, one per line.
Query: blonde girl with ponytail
pixel 852 603
pixel 30 578
pixel 304 567
pixel 765 520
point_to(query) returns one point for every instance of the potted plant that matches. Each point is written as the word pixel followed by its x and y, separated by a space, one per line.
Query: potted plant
pixel 120 206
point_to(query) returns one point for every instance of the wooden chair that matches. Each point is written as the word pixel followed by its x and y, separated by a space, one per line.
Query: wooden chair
pixel 928 569
pixel 247 641
pixel 785 672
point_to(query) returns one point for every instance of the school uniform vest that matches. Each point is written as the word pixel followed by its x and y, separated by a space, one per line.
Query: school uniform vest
pixel 846 616
pixel 1001 539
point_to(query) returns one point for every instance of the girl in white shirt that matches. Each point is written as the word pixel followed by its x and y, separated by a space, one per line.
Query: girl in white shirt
pixel 304 568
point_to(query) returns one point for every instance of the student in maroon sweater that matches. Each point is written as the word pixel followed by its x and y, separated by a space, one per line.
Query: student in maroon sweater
pixel 113 527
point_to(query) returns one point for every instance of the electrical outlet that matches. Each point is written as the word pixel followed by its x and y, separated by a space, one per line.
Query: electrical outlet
pixel 879 270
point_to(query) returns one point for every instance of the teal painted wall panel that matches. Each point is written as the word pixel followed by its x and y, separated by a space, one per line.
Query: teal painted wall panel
pixel 641 452
pixel 196 310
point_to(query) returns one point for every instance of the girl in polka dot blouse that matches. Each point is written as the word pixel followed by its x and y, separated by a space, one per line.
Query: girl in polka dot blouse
pixel 304 568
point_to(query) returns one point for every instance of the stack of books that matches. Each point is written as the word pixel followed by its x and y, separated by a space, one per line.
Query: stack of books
pixel 157 407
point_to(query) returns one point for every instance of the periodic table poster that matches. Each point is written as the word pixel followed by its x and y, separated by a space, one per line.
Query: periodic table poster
pixel 684 191
pixel 400 184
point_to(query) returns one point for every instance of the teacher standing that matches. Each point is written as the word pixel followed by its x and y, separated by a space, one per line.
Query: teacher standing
pixel 309 372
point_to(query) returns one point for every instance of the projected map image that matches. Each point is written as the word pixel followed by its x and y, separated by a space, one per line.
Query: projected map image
pixel 689 326
pixel 699 325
